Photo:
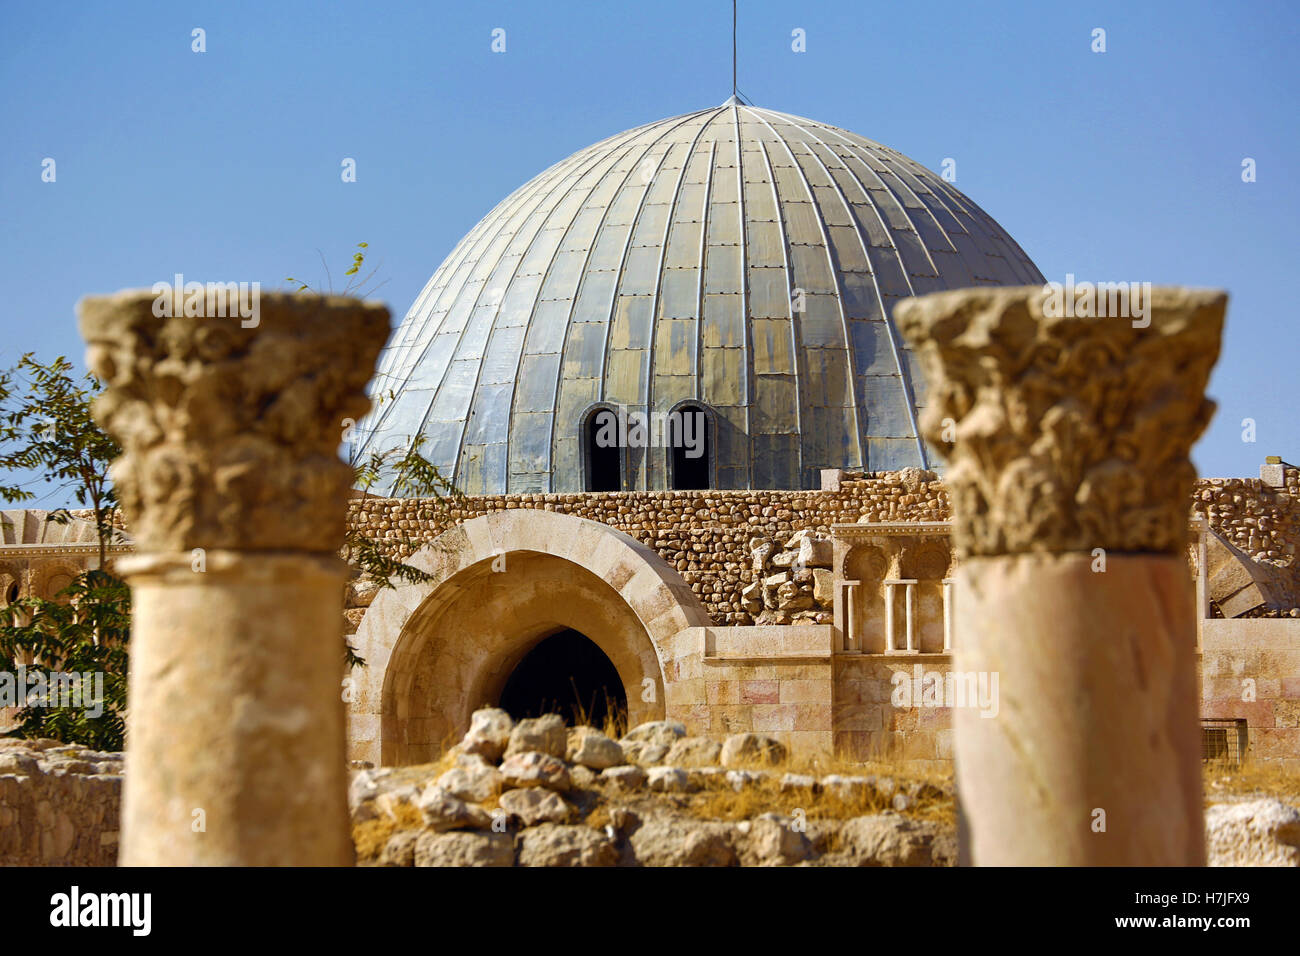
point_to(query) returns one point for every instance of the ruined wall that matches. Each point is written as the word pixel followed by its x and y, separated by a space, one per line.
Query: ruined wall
pixel 59 804
pixel 705 535
pixel 1250 670
pixel 709 536
pixel 1253 515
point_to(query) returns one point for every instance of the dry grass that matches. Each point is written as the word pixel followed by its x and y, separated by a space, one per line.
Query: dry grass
pixel 718 800
pixel 1250 779
pixel 371 836
pixel 614 725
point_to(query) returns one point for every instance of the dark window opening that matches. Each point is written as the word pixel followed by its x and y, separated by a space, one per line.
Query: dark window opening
pixel 689 448
pixel 601 438
pixel 1224 740
pixel 565 674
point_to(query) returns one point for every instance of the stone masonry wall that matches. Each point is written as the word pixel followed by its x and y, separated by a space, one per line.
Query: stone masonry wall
pixel 707 535
pixel 59 804
pixel 1255 517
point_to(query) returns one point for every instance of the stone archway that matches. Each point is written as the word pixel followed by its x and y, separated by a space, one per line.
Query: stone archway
pixel 501 584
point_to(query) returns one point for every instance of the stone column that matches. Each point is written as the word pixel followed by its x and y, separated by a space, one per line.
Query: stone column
pixel 234 491
pixel 947 614
pixel 889 616
pixel 1067 439
pixel 909 606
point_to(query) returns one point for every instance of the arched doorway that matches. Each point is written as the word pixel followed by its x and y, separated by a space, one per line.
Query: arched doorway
pixel 602 453
pixel 567 674
pixel 499 586
pixel 690 448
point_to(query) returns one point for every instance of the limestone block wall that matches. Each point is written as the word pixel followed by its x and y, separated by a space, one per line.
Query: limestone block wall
pixel 873 721
pixel 1250 669
pixel 709 536
pixel 773 680
pixel 59 804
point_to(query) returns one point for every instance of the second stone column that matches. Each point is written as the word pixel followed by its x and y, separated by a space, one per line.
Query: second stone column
pixel 1067 439
pixel 233 489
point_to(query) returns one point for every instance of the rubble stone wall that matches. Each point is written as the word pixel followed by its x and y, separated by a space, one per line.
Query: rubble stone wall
pixel 709 536
pixel 59 804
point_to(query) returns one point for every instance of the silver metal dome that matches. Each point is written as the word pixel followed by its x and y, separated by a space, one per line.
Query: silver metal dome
pixel 663 266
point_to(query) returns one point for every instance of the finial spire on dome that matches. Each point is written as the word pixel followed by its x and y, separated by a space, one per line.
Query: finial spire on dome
pixel 737 99
pixel 733 52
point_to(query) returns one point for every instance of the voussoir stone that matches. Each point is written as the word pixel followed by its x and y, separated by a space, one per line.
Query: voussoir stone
pixel 535 769
pixel 464 849
pixel 591 748
pixel 749 749
pixel 546 734
pixel 694 752
pixel 489 733
pixel 553 844
pixel 534 805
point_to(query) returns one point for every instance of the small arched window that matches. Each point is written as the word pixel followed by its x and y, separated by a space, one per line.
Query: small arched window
pixel 601 452
pixel 690 448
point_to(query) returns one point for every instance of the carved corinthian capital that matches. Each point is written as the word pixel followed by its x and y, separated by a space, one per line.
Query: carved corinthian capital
pixel 1065 433
pixel 230 434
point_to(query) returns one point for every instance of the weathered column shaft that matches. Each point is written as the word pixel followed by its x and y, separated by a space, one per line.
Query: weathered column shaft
pixel 1067 438
pixel 947 614
pixel 235 494
pixel 889 616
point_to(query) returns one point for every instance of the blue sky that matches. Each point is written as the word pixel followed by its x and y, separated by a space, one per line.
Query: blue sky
pixel 224 165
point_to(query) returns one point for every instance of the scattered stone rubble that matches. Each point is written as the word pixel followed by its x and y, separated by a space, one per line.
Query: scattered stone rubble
pixel 793 581
pixel 535 793
pixel 590 801
pixel 1253 833
pixel 59 804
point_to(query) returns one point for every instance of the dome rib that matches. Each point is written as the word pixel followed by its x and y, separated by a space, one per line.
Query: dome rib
pixel 839 294
pixel 908 396
pixel 657 299
pixel 591 285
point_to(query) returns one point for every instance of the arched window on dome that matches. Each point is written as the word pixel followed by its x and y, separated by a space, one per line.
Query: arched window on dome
pixel 689 435
pixel 601 454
